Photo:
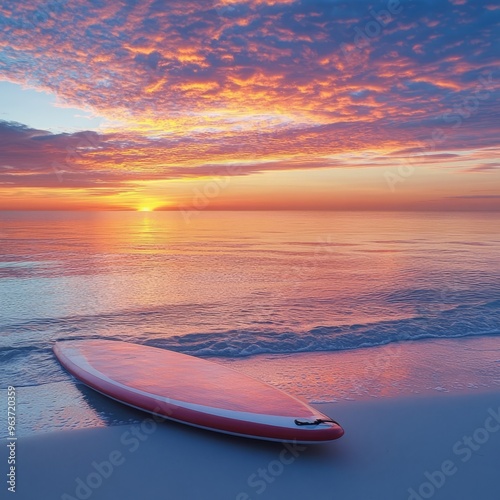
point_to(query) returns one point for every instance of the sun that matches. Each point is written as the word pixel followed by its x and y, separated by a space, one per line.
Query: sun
pixel 145 209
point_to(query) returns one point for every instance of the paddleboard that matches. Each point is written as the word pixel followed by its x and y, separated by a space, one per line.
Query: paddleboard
pixel 193 391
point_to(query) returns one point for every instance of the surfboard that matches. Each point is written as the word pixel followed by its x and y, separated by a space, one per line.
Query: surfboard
pixel 193 391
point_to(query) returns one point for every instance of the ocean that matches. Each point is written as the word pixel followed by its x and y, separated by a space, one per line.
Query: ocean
pixel 280 289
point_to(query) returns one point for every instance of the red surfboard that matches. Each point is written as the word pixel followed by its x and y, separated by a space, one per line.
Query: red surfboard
pixel 193 391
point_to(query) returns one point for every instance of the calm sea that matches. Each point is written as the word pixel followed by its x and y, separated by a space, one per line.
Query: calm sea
pixel 234 285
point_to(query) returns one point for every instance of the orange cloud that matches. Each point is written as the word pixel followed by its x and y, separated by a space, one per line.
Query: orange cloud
pixel 270 85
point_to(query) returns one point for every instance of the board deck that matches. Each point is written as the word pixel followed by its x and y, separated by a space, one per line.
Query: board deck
pixel 193 391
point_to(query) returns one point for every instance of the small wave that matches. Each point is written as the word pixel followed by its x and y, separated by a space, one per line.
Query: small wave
pixel 462 321
pixel 7 353
pixel 31 362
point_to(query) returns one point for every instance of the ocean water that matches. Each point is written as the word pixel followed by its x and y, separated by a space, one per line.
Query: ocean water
pixel 236 286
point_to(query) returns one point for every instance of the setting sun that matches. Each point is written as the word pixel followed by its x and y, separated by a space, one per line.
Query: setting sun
pixel 145 209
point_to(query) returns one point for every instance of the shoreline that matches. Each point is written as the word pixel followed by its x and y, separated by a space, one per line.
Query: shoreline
pixel 446 446
pixel 407 369
pixel 457 365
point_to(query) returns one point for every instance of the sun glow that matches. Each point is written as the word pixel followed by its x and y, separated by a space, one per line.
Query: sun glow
pixel 145 209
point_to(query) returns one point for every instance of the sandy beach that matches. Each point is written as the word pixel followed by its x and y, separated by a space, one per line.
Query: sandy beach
pixel 444 447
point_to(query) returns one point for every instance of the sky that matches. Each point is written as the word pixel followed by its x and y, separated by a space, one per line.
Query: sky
pixel 249 104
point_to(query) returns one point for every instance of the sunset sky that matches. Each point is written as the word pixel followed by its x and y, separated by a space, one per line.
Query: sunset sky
pixel 250 104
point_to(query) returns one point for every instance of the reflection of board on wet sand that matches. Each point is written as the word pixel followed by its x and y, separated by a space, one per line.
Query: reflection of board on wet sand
pixel 193 391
